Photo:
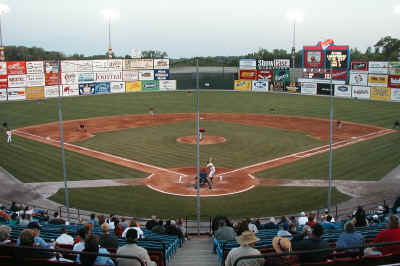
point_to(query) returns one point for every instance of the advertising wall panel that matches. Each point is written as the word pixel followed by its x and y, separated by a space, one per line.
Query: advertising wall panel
pixel 35 80
pixel 117 87
pixel 70 90
pixel 3 95
pixel 150 85
pixel 395 94
pixel 102 87
pixel 168 85
pixel 281 75
pixel 114 64
pixel 375 80
pixel 84 66
pixel 378 67
pixel 3 68
pixel 359 65
pixel 69 78
pixel 361 92
pixel 161 74
pixel 34 93
pixel 314 59
pixel 100 65
pixel 242 85
pixel 131 64
pixel 146 74
pixel 309 88
pixel 343 91
pixel 3 81
pixel 248 74
pixel 16 94
pixel 265 74
pixel 161 63
pixel 16 68
pixel 337 58
pixel 380 93
pixel 85 77
pixel 259 85
pixel 86 88
pixel 248 64
pixel 394 68
pixel 339 74
pixel 324 89
pixel 132 75
pixel 17 81
pixel 326 81
pixel 52 91
pixel 52 79
pixel 281 63
pixel 394 81
pixel 51 67
pixel 34 67
pixel 131 86
pixel 69 66
pixel 108 76
pixel 358 78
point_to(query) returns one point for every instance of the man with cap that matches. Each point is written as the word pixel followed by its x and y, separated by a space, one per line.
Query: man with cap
pixel 247 241
pixel 132 249
pixel 38 241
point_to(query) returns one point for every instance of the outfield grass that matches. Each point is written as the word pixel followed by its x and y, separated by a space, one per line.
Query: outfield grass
pixel 32 161
pixel 245 144
pixel 141 201
pixel 369 160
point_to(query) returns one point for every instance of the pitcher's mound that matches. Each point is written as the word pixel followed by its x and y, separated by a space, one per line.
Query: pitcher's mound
pixel 207 140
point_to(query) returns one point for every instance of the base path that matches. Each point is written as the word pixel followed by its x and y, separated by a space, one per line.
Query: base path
pixel 180 181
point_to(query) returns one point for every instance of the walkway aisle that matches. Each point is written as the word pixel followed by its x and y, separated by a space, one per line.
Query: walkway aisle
pixel 195 252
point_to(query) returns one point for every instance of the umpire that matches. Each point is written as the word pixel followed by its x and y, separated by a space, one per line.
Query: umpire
pixel 203 178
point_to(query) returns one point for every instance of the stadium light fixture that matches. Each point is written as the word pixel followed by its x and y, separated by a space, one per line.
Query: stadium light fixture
pixel 109 14
pixel 396 10
pixel 294 16
pixel 4 9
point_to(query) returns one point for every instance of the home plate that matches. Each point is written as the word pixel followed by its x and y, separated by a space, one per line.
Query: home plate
pixel 202 118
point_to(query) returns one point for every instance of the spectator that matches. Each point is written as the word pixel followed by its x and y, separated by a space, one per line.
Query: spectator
pixel 25 220
pixel 27 239
pixel 28 210
pixel 93 220
pixel 311 219
pixel 3 214
pixel 5 234
pixel 242 227
pixel 327 223
pixel 131 249
pixel 134 225
pixel 101 219
pixel 159 228
pixel 258 224
pixel 281 245
pixel 64 238
pixel 82 234
pixel 283 232
pixel 305 234
pixel 88 227
pixel 14 207
pixel 56 219
pixel 151 223
pixel 303 219
pixel 271 224
pixel 92 245
pixel 172 229
pixel 110 221
pixel 224 232
pixel 350 238
pixel 107 240
pixel 360 218
pixel 118 229
pixel 216 220
pixel 14 220
pixel 124 223
pixel 247 241
pixel 252 227
pixel 313 243
pixel 39 242
pixel 391 234
pixel 181 225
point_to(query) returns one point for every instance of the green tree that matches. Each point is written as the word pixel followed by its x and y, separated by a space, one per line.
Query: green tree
pixel 154 54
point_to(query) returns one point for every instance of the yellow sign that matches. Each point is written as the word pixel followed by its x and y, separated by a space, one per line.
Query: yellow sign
pixel 243 85
pixel 377 80
pixel 34 93
pixel 380 93
pixel 131 86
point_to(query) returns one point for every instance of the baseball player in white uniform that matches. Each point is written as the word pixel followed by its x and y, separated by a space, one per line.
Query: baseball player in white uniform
pixel 211 167
pixel 9 134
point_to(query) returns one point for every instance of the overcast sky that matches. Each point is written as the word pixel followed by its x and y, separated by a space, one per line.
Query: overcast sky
pixel 186 28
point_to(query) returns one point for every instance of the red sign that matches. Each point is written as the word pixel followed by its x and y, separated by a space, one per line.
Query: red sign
pixel 52 79
pixel 16 68
pixel 248 74
pixel 359 65
pixel 339 74
pixel 265 74
pixel 394 81
pixel 3 81
pixel 314 58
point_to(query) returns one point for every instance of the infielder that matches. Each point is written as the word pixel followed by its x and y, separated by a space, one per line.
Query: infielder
pixel 9 134
pixel 151 111
pixel 211 167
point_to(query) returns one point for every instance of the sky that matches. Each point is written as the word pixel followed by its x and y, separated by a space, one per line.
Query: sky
pixel 188 28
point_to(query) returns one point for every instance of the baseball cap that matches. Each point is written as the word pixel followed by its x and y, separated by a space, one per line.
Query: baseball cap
pixel 34 225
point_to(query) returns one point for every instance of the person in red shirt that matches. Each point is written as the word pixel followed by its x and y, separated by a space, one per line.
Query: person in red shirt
pixel 391 234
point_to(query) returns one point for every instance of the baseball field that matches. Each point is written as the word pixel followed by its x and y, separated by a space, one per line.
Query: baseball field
pixel 265 146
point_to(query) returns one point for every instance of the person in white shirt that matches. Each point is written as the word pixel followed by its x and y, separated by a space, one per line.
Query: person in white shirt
pixel 9 134
pixel 302 220
pixel 82 233
pixel 134 226
pixel 64 238
pixel 211 168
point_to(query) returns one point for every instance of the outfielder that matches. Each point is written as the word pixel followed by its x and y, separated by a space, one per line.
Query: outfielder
pixel 211 167
pixel 9 134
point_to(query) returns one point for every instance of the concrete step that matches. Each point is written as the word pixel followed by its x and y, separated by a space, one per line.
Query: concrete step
pixel 196 251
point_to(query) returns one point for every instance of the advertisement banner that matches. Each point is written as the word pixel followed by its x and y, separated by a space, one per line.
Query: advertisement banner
pixel 69 78
pixel 16 68
pixel 281 75
pixel 35 80
pixel 324 89
pixel 17 81
pixel 16 94
pixel 114 64
pixel 358 78
pixel 339 74
pixel 259 85
pixel 242 85
pixel 131 64
pixel 248 64
pixel 395 94
pixel 69 66
pixel 70 90
pixel 377 80
pixel 86 88
pixel 378 67
pixel 359 65
pixel 132 75
pixel 146 74
pixel 3 68
pixel 3 81
pixel 3 95
pixel 85 77
pixel 117 87
pixel 314 58
pixel 337 59
pixel 102 87
pixel 265 74
pixel 84 66
pixel 131 86
pixel 108 76
pixel 161 74
pixel 34 93
pixel 265 64
pixel 309 88
pixel 343 91
pixel 394 68
pixel 34 67
pixel 52 91
pixel 51 67
pixel 281 63
pixel 167 85
pixel 326 81
pixel 161 63
pixel 380 93
pixel 248 74
pixel 150 85
pixel 100 65
pixel 394 81
pixel 360 92
pixel 52 79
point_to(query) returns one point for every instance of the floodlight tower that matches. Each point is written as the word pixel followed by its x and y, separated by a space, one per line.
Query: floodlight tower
pixel 295 16
pixel 108 15
pixel 4 9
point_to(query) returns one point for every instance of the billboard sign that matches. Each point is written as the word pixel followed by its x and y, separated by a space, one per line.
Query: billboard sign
pixel 3 68
pixel 343 91
pixel 359 65
pixel 263 64
pixel 84 66
pixel 161 63
pixel 146 74
pixel 337 59
pixel 100 65
pixel 51 67
pixel 248 74
pixel 339 74
pixel 16 94
pixel 375 80
pixel 34 67
pixel 34 93
pixel 86 89
pixel 394 68
pixel 108 76
pixel 102 87
pixel 361 92
pixel 282 63
pixel 281 75
pixel 130 64
pixel 70 90
pixel 167 85
pixel 16 68
pixel 394 81
pixel 52 79
pixel 114 64
pixel 3 94
pixel 69 66
pixel 242 85
pixel 376 67
pixel 85 77
pixel 69 78
pixel 132 75
pixel 150 85
pixel 395 94
pixel 3 81
pixel 309 88
pixel 52 91
pixel 265 74
pixel 117 87
pixel 161 74
pixel 17 81
pixel 260 85
pixel 358 78
pixel 248 64
pixel 34 80
pixel 314 59
pixel 380 93
pixel 131 86
pixel 325 89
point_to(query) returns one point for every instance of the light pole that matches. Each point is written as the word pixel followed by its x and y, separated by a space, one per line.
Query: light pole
pixel 4 9
pixel 295 16
pixel 109 14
